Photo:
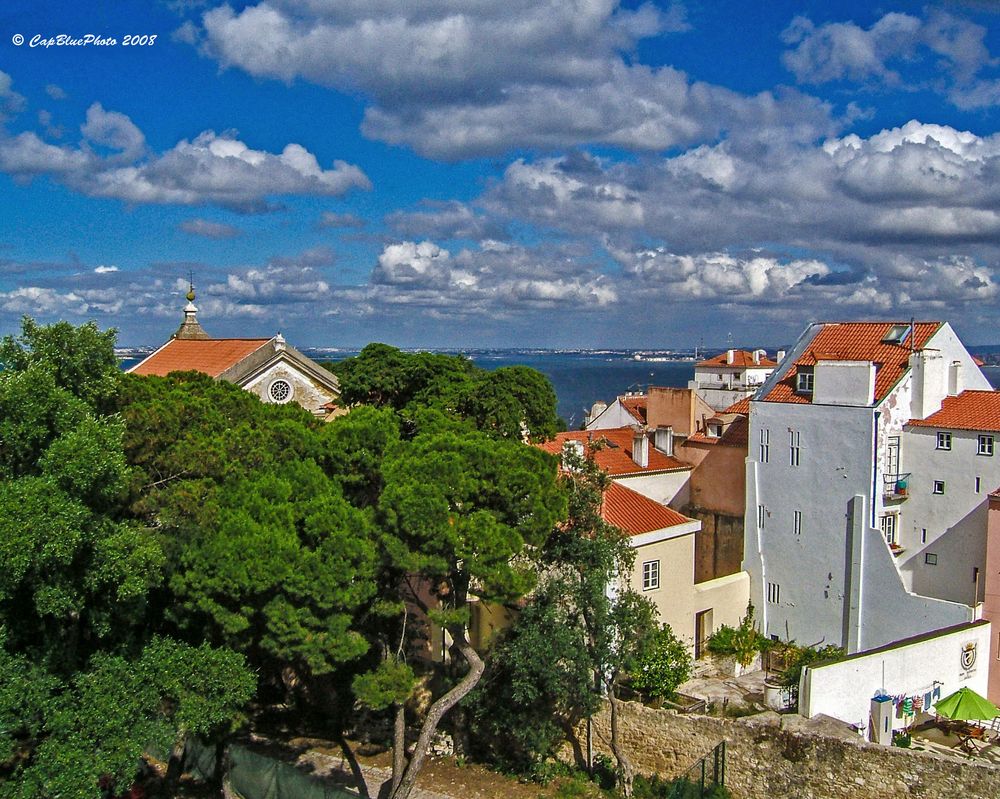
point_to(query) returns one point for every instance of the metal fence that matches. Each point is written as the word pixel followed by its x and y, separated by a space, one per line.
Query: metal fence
pixel 706 779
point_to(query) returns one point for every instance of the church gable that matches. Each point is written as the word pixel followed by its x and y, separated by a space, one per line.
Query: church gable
pixel 270 368
pixel 283 381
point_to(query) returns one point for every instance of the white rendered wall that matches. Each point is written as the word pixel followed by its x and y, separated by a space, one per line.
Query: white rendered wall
pixel 667 488
pixel 844 690
pixel 955 521
pixel 613 417
pixel 835 464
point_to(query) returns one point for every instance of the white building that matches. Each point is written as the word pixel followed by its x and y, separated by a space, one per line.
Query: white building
pixel 824 473
pixel 949 467
pixel 732 376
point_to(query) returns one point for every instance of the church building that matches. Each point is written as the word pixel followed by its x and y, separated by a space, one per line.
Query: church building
pixel 269 367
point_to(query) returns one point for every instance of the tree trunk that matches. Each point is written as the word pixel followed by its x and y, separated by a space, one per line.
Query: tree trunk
pixel 626 772
pixel 438 710
pixel 398 747
pixel 359 776
pixel 175 766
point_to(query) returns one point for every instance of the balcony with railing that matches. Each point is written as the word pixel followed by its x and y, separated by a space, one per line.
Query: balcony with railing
pixel 895 487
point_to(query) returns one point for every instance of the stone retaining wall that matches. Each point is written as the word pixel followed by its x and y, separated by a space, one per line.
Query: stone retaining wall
pixel 766 761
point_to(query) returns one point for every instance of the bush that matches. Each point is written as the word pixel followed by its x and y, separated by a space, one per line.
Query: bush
pixel 744 642
pixel 800 656
pixel 663 666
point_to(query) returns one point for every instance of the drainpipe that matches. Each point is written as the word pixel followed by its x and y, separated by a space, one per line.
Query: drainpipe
pixel 875 469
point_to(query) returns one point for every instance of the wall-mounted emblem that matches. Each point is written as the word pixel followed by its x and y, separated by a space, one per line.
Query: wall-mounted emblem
pixel 969 655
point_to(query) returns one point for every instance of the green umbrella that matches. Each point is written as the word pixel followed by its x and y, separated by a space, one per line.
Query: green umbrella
pixel 966 705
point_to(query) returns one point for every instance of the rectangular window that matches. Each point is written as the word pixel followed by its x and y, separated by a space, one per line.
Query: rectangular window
pixel 944 440
pixel 797 522
pixel 985 445
pixel 760 517
pixel 765 445
pixel 650 575
pixel 794 442
pixel 979 484
pixel 923 535
pixel 773 593
pixel 804 380
pixel 938 486
pixel 888 523
pixel 930 559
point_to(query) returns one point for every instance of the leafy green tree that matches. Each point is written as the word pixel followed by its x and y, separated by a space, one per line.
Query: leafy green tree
pixel 511 402
pixel 82 688
pixel 584 558
pixel 538 684
pixel 458 514
pixel 81 359
pixel 663 666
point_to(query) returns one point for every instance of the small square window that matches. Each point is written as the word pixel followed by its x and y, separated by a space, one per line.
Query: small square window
pixel 939 486
pixel 985 446
pixel 804 380
pixel 650 575
pixel 930 559
pixel 944 440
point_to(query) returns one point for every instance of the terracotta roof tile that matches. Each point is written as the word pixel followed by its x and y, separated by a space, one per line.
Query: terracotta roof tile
pixel 615 456
pixel 212 356
pixel 740 406
pixel 636 405
pixel 856 341
pixel 737 434
pixel 636 514
pixel 970 410
pixel 741 360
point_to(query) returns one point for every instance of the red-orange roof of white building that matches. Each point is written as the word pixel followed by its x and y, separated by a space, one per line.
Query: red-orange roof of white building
pixel 211 356
pixel 636 514
pixel 612 451
pixel 741 360
pixel 856 341
pixel 970 410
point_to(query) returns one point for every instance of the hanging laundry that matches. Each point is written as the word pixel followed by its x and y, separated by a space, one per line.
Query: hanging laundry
pixel 918 704
pixel 908 705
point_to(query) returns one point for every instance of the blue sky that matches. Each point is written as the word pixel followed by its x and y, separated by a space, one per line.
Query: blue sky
pixel 530 173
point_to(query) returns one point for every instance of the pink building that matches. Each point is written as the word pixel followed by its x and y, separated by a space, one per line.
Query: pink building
pixel 991 605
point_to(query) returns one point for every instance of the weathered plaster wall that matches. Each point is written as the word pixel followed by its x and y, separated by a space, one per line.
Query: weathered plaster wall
pixel 764 760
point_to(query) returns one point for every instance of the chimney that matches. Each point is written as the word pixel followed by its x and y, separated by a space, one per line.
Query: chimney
pixel 956 384
pixel 758 354
pixel 729 355
pixel 640 447
pixel 663 439
pixel 929 382
pixel 780 356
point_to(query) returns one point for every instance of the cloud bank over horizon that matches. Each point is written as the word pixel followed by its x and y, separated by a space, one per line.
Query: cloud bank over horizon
pixel 530 173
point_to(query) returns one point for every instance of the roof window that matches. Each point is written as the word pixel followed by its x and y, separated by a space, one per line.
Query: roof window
pixel 897 334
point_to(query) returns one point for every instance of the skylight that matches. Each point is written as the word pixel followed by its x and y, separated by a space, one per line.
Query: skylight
pixel 897 334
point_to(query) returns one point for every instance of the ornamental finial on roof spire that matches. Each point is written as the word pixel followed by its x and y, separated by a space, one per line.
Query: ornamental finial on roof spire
pixel 190 329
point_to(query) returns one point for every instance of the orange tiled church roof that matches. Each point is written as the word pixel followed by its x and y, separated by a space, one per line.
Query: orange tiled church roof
pixel 211 356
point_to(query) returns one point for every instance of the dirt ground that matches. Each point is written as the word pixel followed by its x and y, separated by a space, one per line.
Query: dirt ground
pixel 441 778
